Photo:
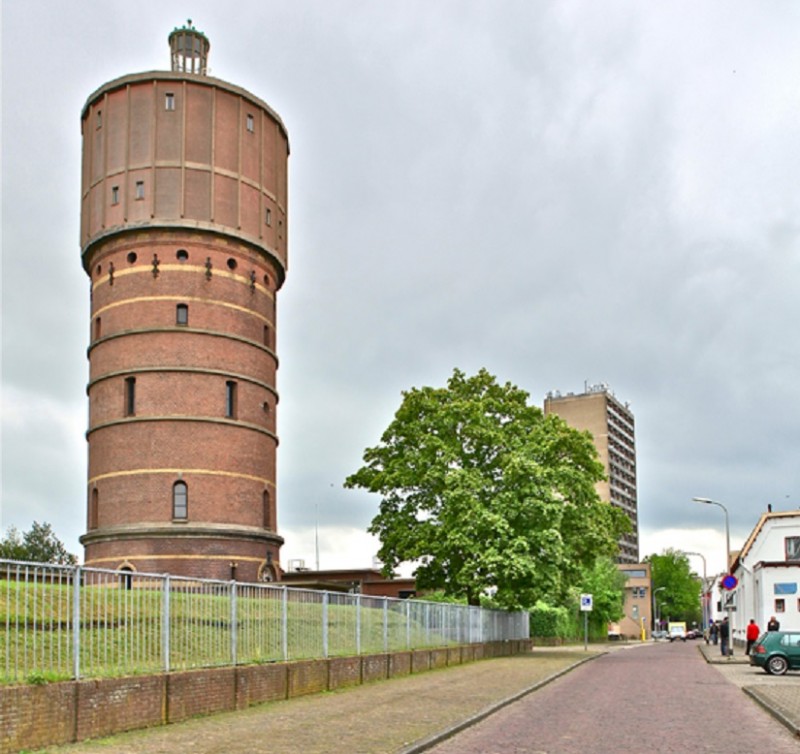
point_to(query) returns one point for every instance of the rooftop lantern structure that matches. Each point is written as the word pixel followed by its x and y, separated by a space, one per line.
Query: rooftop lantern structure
pixel 189 50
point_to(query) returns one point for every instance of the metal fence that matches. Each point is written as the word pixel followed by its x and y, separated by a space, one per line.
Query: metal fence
pixel 62 622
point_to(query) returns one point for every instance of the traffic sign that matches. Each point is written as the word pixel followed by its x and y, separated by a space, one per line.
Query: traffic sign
pixel 730 581
pixel 586 602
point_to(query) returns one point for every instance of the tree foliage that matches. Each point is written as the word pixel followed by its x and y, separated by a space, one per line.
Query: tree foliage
pixel 680 597
pixel 485 494
pixel 606 583
pixel 38 545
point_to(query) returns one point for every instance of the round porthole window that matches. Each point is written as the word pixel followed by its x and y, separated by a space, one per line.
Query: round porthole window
pixel 232 264
pixel 132 257
pixel 182 255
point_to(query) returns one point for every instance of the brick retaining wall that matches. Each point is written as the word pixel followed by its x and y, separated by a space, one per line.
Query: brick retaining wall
pixel 33 717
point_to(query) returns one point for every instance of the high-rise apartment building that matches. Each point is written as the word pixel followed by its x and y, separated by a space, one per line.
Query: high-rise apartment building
pixel 610 423
pixel 184 239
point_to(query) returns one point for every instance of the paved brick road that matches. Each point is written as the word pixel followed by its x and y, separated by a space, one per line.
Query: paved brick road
pixel 659 698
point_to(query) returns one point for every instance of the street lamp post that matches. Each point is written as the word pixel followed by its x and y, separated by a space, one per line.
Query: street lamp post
pixel 708 501
pixel 655 608
pixel 705 585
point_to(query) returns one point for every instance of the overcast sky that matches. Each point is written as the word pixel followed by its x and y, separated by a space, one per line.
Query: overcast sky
pixel 560 192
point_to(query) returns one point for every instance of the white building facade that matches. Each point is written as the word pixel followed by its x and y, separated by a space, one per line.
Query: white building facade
pixel 768 574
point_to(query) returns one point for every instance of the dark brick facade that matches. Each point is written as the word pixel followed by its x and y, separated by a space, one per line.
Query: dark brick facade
pixel 184 239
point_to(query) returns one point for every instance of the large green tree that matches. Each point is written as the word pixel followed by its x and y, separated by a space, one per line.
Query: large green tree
pixel 485 494
pixel 679 595
pixel 39 545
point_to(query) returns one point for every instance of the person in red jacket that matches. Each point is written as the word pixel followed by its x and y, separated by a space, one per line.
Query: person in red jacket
pixel 752 634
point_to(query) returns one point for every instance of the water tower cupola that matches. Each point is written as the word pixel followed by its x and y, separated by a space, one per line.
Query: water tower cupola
pixel 189 49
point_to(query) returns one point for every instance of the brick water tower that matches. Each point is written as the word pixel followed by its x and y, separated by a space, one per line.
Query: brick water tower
pixel 183 236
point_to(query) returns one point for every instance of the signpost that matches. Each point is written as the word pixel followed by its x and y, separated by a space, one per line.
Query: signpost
pixel 586 608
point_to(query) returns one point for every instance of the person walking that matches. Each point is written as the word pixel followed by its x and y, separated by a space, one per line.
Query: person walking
pixel 714 632
pixel 751 635
pixel 773 624
pixel 724 637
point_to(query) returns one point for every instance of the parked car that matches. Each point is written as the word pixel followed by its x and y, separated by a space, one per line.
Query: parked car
pixel 776 652
pixel 658 634
pixel 677 631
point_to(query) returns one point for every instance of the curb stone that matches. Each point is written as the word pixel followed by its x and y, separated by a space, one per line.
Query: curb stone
pixel 758 696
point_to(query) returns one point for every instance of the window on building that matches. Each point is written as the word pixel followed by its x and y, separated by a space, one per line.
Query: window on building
pixel 268 216
pixel 251 123
pixel 230 399
pixel 99 118
pixel 634 573
pixel 182 255
pixel 180 501
pixel 267 336
pixel 266 509
pixel 182 314
pixel 97 327
pixel 792 548
pixel 140 189
pixel 130 396
pixel 93 509
pixel 115 194
pixel 169 101
pixel 780 605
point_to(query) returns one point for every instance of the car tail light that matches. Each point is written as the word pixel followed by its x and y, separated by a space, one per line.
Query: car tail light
pixel 759 649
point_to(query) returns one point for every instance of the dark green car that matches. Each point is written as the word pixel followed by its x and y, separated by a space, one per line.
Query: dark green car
pixel 777 652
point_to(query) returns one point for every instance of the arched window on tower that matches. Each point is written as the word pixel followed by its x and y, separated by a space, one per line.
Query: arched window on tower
pixel 180 501
pixel 182 314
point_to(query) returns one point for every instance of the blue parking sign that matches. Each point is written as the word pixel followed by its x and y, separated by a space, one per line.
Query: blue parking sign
pixel 586 602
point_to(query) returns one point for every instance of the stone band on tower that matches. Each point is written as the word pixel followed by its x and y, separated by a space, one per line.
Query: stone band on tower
pixel 183 235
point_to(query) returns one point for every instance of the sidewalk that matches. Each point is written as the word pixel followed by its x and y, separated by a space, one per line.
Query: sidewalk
pixel 398 715
pixel 409 715
pixel 779 695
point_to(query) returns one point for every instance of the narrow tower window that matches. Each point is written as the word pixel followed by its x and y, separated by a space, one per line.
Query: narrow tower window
pixel 93 509
pixel 115 194
pixel 266 509
pixel 130 396
pixel 140 189
pixel 180 501
pixel 99 118
pixel 251 123
pixel 169 101
pixel 97 328
pixel 267 336
pixel 268 216
pixel 230 399
pixel 182 314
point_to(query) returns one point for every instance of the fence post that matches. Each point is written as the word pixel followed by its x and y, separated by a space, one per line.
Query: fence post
pixel 285 624
pixel 233 623
pixel 408 624
pixel 358 624
pixel 76 624
pixel 166 623
pixel 325 624
pixel 385 624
